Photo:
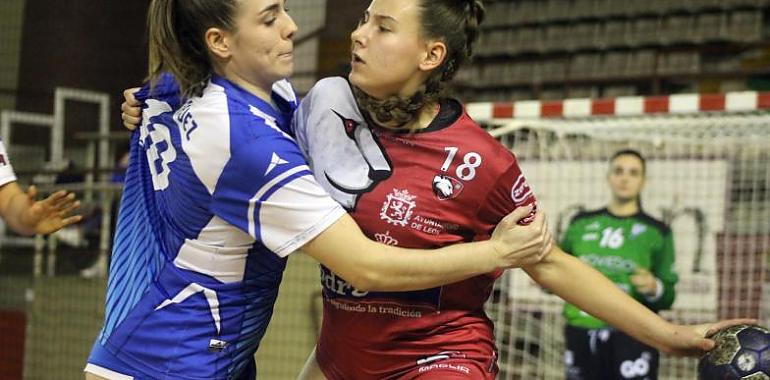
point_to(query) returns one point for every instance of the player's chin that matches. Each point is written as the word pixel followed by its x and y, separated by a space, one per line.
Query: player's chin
pixel 363 83
pixel 356 78
pixel 364 78
pixel 287 70
pixel 625 196
pixel 284 67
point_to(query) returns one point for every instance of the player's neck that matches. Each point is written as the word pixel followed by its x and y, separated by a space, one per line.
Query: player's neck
pixel 619 207
pixel 260 90
pixel 426 116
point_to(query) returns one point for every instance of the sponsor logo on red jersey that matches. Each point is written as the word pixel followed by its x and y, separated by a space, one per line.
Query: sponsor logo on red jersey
pixel 520 190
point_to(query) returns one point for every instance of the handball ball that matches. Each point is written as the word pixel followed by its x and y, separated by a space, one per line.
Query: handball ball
pixel 741 353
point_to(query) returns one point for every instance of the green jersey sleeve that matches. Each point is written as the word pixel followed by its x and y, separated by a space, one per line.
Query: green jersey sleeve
pixel 663 269
pixel 567 241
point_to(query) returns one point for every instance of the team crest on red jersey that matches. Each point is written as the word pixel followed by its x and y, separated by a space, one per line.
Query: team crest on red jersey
pixel 446 187
pixel 398 207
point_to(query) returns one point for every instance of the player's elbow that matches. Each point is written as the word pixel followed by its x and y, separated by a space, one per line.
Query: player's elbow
pixel 367 280
pixel 381 280
pixel 362 277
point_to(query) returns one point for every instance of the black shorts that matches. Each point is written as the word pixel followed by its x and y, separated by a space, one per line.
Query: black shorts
pixel 607 354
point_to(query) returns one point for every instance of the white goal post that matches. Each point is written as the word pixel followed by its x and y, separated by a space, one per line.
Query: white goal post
pixel 708 178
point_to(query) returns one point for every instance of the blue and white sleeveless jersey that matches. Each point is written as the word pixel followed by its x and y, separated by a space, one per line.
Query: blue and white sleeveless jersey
pixel 6 170
pixel 217 195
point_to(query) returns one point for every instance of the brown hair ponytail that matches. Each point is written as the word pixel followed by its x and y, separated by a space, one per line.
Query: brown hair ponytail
pixel 176 31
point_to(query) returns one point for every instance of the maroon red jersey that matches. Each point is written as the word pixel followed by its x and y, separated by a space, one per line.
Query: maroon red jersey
pixel 449 183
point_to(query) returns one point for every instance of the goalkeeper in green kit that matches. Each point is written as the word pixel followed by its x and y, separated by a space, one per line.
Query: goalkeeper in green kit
pixel 636 252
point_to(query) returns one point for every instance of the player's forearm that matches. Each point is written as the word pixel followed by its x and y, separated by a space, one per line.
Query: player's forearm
pixel 412 269
pixel 371 266
pixel 589 290
pixel 378 267
pixel 14 204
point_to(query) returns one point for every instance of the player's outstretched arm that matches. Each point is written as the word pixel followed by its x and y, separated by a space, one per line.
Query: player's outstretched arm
pixel 368 265
pixel 586 288
pixel 27 216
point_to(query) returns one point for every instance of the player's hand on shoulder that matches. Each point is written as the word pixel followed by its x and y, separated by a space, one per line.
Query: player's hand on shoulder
pixel 131 109
pixel 518 245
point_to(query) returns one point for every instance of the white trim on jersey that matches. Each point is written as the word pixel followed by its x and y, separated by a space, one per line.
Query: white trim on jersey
pixel 191 290
pixel 269 120
pixel 219 251
pixel 302 199
pixel 264 189
pixel 293 205
pixel 284 89
pixel 6 170
pixel 210 110
pixel 105 373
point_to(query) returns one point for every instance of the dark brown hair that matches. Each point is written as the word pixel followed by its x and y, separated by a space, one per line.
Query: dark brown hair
pixel 631 152
pixel 456 23
pixel 177 39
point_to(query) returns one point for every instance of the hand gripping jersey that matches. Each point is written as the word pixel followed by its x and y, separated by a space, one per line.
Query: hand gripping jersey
pixel 217 195
pixel 616 246
pixel 449 183
pixel 6 170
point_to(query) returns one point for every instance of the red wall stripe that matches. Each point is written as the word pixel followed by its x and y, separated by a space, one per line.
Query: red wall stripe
pixel 603 107
pixel 656 104
pixel 652 104
pixel 502 110
pixel 712 102
pixel 763 100
pixel 551 109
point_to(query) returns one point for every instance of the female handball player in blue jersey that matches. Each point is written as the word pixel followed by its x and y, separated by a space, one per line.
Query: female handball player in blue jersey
pixel 218 194
pixel 415 171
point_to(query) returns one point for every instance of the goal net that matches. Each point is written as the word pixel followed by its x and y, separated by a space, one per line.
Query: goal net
pixel 708 178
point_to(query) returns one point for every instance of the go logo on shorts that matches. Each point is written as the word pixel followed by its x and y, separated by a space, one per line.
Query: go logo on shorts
pixel 631 369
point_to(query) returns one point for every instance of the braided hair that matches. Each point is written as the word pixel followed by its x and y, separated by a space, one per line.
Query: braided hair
pixel 456 23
